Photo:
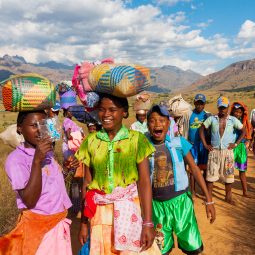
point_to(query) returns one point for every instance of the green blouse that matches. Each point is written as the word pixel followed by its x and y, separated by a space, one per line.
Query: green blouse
pixel 114 162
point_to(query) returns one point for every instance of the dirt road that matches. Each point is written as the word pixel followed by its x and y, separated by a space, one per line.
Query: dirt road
pixel 233 232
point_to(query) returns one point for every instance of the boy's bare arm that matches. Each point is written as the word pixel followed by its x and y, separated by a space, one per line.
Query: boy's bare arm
pixel 240 138
pixel 201 182
pixel 202 137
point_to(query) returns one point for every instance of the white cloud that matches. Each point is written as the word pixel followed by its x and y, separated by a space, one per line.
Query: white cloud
pixel 193 7
pixel 170 2
pixel 66 32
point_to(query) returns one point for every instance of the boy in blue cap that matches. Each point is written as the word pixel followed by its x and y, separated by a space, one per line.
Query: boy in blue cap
pixel 191 126
pixel 54 111
pixel 221 156
pixel 172 202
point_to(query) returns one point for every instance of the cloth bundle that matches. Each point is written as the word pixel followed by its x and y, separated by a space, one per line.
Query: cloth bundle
pixel 67 99
pixel 79 112
pixel 142 102
pixel 179 106
pixel 11 137
pixel 75 143
pixel 64 86
pixel 28 92
pixel 121 80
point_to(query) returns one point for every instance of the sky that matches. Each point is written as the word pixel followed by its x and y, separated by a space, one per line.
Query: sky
pixel 202 35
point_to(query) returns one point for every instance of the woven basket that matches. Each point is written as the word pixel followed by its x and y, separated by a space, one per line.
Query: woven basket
pixel 121 80
pixel 28 92
pixel 142 102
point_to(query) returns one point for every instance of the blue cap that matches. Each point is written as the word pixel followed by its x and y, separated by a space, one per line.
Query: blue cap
pixel 162 109
pixel 56 107
pixel 200 97
pixel 223 101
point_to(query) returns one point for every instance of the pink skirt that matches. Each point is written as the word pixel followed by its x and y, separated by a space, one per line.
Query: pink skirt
pixel 57 241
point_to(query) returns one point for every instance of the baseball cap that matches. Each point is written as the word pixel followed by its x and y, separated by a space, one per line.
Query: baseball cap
pixel 162 109
pixel 223 101
pixel 57 107
pixel 166 104
pixel 200 97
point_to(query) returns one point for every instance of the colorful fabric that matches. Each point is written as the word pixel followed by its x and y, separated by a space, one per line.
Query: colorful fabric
pixel 200 155
pixel 75 143
pixel 195 122
pixel 121 80
pixel 114 162
pixel 57 241
pixel 29 233
pixel 28 92
pixel 67 99
pixel 245 119
pixel 178 148
pixel 220 162
pixel 176 215
pixel 240 157
pixel 64 86
pixel 127 224
pixel 18 168
pixel 102 232
pixel 163 185
pixel 228 135
pixel 138 126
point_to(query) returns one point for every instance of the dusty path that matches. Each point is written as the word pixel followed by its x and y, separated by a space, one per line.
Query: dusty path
pixel 233 232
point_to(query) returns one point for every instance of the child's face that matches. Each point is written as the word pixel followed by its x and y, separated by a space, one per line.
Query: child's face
pixel 141 117
pixel 158 126
pixel 30 130
pixel 111 114
pixel 223 110
pixel 92 129
pixel 238 113
pixel 199 106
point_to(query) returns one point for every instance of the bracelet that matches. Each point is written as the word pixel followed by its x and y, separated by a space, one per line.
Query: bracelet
pixel 64 173
pixel 148 224
pixel 209 203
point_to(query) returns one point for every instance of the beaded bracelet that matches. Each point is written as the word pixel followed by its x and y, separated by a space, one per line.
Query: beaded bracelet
pixel 148 224
pixel 209 203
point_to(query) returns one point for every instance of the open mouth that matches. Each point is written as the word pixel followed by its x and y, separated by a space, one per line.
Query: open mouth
pixel 157 133
pixel 38 138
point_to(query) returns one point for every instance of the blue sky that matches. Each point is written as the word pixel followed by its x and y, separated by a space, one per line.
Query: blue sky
pixel 204 36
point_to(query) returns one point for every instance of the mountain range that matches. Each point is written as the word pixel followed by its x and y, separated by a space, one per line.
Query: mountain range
pixel 237 76
pixel 164 79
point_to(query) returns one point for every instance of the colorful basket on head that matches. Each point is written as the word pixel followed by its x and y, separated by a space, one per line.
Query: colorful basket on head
pixel 28 92
pixel 121 80
pixel 142 102
pixel 67 99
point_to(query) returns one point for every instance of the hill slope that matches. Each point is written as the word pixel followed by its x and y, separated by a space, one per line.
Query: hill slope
pixel 234 77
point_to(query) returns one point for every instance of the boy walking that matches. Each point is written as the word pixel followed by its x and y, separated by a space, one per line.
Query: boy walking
pixel 172 202
pixel 221 156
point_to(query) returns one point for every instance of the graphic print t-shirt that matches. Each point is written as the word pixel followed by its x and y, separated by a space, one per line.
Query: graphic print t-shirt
pixel 195 122
pixel 163 186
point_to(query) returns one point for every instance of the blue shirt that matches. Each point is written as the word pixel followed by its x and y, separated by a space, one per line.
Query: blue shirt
pixel 228 135
pixel 195 122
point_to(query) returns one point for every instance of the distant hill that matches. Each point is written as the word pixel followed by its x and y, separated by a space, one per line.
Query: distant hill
pixel 171 78
pixel 239 75
pixel 164 79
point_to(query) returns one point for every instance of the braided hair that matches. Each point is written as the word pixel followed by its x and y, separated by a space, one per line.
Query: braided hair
pixel 22 116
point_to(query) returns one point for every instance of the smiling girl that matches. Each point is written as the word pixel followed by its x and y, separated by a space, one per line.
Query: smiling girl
pixel 117 162
pixel 38 180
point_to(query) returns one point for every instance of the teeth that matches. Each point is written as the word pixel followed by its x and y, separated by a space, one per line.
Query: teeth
pixel 107 120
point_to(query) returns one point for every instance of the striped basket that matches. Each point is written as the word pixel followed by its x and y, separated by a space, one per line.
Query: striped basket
pixel 28 92
pixel 121 80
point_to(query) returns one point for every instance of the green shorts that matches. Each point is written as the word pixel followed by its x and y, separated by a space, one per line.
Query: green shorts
pixel 176 215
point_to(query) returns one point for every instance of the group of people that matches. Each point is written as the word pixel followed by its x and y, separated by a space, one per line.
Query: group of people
pixel 135 192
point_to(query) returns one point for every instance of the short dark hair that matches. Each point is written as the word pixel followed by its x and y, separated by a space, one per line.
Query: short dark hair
pixel 22 116
pixel 122 101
